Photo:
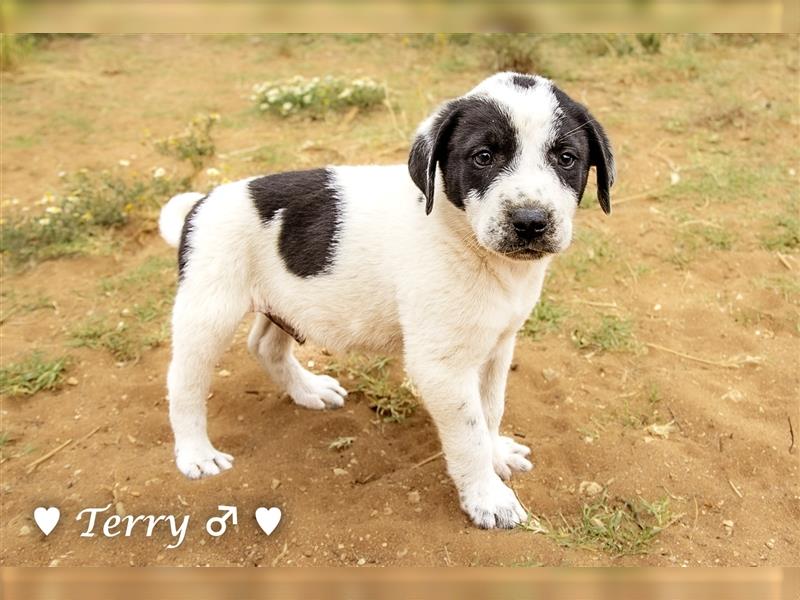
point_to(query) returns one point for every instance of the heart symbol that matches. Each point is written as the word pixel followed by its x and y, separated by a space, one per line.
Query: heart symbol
pixel 268 518
pixel 46 518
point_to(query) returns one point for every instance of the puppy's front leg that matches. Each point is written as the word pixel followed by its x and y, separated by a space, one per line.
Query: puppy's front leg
pixel 507 455
pixel 452 397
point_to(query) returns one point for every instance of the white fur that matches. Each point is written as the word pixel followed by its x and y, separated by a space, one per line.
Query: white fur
pixel 173 215
pixel 402 281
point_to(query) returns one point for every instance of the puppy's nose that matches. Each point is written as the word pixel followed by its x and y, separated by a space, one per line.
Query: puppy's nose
pixel 529 223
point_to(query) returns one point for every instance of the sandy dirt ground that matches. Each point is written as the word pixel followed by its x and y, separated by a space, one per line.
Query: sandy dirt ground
pixel 699 406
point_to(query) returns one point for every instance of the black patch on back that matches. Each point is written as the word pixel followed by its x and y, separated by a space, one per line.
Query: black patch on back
pixel 183 246
pixel 582 136
pixel 524 81
pixel 478 123
pixel 309 205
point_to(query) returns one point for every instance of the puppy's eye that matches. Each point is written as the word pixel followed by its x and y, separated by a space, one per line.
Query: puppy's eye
pixel 483 158
pixel 566 160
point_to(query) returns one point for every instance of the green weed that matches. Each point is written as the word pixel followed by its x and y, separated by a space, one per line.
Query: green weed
pixel 316 96
pixel 786 285
pixel 101 333
pixel 546 317
pixel 617 527
pixel 784 235
pixel 149 274
pixel 14 48
pixel 589 249
pixel 32 374
pixel 27 304
pixel 392 402
pixel 90 204
pixel 515 52
pixel 620 44
pixel 612 334
pixel 721 239
pixel 194 144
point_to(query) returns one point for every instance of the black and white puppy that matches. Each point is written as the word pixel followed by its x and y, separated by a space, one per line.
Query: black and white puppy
pixel 442 260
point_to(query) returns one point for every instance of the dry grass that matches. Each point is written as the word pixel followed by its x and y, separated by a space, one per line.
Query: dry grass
pixel 617 527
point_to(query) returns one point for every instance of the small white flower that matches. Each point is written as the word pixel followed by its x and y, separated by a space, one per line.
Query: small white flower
pixel 44 221
pixel 212 172
pixel 287 106
pixel 124 163
pixel 53 210
pixel 159 172
pixel 62 173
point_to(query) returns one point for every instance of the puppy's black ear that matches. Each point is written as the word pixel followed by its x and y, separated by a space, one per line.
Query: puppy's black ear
pixel 418 161
pixel 602 158
pixel 428 150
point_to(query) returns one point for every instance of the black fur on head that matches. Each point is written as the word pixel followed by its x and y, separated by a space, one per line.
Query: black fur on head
pixel 461 128
pixel 578 121
pixel 426 151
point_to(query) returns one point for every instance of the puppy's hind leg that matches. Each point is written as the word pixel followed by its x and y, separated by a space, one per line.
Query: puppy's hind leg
pixel 203 324
pixel 272 347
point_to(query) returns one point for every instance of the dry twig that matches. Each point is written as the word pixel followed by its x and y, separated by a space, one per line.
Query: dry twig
pixel 427 460
pixel 715 363
pixel 32 466
pixel 735 489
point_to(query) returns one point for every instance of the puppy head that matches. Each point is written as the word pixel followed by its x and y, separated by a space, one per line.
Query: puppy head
pixel 514 154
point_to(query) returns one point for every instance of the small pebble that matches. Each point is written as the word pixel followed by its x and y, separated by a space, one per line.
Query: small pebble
pixel 590 488
pixel 224 373
pixel 549 374
pixel 72 381
pixel 24 530
pixel 413 497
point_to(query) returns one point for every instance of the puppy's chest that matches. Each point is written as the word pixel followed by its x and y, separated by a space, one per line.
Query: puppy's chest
pixel 510 300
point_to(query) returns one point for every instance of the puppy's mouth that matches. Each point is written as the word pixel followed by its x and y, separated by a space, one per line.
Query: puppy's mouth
pixel 518 250
pixel 527 253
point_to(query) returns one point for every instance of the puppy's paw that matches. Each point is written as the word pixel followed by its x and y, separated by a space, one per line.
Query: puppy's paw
pixel 201 460
pixel 509 456
pixel 492 504
pixel 318 392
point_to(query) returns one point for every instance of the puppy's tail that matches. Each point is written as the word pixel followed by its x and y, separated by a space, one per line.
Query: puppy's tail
pixel 173 214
